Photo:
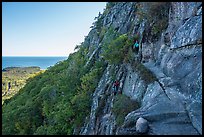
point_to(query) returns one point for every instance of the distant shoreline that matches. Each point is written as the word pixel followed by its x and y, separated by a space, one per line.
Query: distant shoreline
pixel 8 68
pixel 44 62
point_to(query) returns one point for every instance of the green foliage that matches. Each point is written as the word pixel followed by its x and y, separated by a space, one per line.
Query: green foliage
pixel 109 36
pixel 117 48
pixel 115 52
pixel 17 77
pixel 129 57
pixel 156 13
pixel 109 5
pixel 82 101
pixel 56 101
pixel 144 72
pixel 152 11
pixel 123 105
pixel 90 80
pixel 99 23
pixel 102 33
pixel 81 104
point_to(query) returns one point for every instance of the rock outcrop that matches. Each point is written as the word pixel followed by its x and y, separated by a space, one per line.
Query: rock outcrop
pixel 172 104
pixel 141 125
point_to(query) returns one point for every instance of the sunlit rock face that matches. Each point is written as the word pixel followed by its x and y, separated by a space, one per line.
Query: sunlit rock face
pixel 172 104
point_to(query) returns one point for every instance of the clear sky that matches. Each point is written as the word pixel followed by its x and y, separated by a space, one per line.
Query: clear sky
pixel 46 28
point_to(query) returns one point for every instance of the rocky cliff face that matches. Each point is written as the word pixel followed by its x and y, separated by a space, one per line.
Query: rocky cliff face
pixel 170 37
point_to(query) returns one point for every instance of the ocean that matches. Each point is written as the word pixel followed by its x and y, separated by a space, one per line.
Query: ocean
pixel 42 62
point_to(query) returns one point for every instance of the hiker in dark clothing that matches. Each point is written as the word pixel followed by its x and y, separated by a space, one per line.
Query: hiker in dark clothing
pixel 115 86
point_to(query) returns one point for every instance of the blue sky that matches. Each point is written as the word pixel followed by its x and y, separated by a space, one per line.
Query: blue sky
pixel 46 28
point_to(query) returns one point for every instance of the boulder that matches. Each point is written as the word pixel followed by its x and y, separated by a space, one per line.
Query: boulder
pixel 141 125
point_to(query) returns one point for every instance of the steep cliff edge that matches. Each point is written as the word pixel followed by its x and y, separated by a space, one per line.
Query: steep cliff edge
pixel 160 91
pixel 170 37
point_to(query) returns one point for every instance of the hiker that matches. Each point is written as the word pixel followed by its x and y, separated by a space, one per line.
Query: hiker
pixel 115 86
pixel 136 46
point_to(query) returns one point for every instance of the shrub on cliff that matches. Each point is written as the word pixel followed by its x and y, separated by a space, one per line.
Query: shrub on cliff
pixel 156 14
pixel 123 105
pixel 81 102
pixel 109 5
pixel 117 50
pixel 144 72
pixel 90 80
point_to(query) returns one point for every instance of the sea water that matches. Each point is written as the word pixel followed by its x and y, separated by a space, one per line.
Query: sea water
pixel 42 62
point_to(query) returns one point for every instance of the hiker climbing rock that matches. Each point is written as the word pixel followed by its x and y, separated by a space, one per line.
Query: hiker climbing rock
pixel 115 87
pixel 136 46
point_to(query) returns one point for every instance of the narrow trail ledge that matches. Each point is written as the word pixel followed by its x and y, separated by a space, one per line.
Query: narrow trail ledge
pixel 169 103
pixel 76 95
